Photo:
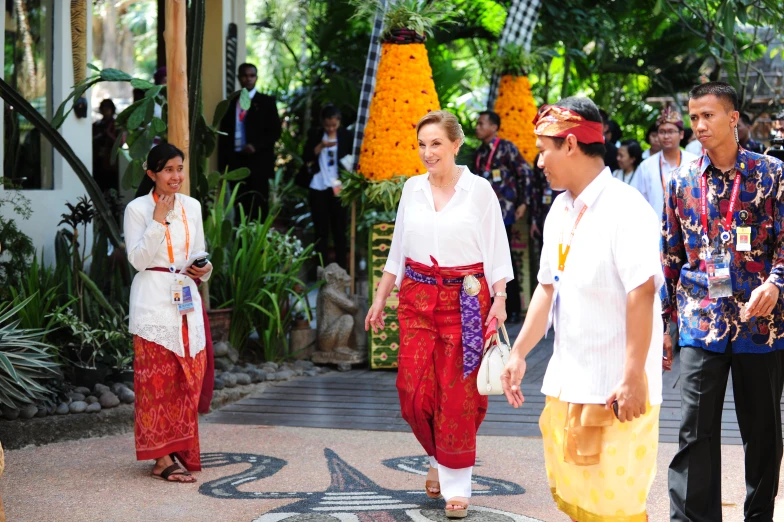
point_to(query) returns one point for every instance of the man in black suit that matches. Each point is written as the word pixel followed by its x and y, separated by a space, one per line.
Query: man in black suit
pixel 249 141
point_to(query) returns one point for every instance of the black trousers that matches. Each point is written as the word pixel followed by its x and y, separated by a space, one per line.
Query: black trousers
pixel 695 472
pixel 513 305
pixel 329 215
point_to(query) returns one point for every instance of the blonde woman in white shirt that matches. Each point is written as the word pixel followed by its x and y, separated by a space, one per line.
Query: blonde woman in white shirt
pixel 450 259
pixel 162 230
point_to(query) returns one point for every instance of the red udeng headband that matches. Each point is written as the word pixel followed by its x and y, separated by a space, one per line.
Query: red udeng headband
pixel 557 122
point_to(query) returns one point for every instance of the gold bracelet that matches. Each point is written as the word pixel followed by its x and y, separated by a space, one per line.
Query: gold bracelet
pixel 502 294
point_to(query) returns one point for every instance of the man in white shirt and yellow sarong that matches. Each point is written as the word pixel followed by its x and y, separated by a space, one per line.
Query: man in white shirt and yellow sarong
pixel 599 278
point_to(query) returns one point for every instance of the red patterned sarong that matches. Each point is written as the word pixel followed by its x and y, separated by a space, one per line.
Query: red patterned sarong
pixel 167 389
pixel 443 408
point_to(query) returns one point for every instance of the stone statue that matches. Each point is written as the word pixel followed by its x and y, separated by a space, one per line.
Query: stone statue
pixel 335 319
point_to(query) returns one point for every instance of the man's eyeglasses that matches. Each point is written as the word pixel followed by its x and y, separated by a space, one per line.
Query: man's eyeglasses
pixel 670 132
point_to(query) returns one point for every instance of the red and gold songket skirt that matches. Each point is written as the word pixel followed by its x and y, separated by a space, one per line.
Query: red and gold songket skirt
pixel 167 389
pixel 439 402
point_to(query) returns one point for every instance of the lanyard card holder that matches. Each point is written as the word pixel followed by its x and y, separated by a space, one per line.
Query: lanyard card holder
pixel 717 265
pixel 186 306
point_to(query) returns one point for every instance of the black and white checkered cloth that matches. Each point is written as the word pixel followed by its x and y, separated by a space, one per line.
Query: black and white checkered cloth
pixel 369 80
pixel 518 30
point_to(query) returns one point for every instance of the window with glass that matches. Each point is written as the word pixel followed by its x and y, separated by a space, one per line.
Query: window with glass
pixel 28 161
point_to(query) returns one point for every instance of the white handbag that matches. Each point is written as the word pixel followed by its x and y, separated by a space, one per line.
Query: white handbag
pixel 496 355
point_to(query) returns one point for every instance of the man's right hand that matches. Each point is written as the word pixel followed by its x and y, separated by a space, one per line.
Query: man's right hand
pixel 667 358
pixel 511 378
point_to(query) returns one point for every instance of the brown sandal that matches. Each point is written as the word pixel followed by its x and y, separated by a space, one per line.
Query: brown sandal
pixel 434 484
pixel 172 470
pixel 457 513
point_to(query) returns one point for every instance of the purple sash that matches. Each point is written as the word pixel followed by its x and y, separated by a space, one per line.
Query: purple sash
pixel 470 317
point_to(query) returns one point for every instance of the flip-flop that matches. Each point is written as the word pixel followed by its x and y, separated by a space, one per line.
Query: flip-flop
pixel 174 469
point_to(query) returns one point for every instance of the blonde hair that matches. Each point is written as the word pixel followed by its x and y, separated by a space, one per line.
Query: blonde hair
pixel 447 121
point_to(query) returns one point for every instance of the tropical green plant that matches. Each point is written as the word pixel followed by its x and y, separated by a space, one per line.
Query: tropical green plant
pixel 82 215
pixel 420 17
pixel 101 340
pixel 381 197
pixel 260 282
pixel 25 360
pixel 44 296
pixel 220 204
pixel 16 247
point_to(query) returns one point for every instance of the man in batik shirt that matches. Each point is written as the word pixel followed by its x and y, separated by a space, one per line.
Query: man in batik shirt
pixel 500 162
pixel 723 235
pixel 539 198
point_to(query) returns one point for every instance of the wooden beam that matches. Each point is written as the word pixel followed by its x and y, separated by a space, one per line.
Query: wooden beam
pixel 177 81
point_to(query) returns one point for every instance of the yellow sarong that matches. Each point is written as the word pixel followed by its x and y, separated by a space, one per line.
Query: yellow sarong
pixel 614 490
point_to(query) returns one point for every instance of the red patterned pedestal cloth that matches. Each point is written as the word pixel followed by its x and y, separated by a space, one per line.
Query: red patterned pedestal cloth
pixel 443 408
pixel 167 389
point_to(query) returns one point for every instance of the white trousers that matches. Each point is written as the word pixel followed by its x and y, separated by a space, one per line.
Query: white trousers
pixel 454 482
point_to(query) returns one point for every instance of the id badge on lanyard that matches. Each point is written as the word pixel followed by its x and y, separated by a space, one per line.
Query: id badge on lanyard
pixel 719 261
pixel 717 266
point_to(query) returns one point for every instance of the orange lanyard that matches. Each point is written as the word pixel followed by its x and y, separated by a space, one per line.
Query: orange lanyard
pixel 564 253
pixel 168 235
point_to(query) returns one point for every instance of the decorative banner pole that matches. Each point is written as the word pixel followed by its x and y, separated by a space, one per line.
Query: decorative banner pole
pixel 177 81
pixel 518 30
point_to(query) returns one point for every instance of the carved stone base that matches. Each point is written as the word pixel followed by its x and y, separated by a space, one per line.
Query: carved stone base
pixel 339 357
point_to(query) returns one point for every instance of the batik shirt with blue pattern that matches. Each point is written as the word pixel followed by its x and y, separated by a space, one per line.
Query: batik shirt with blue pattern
pixel 515 175
pixel 713 323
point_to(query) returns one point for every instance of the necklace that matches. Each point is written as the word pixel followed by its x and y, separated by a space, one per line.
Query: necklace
pixel 451 182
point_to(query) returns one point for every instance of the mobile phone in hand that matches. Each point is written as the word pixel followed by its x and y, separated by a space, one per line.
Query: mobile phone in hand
pixel 201 262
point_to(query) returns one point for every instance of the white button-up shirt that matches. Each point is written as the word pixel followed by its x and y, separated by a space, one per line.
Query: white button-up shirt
pixel 468 230
pixel 152 316
pixel 648 178
pixel 615 250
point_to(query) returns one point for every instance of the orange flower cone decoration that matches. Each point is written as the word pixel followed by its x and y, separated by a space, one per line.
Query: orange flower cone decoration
pixel 517 109
pixel 404 93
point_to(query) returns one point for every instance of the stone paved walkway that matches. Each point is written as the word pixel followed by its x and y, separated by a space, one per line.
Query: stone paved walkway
pixel 267 474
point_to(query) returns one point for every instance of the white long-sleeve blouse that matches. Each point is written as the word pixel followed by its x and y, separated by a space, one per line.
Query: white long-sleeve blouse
pixel 468 230
pixel 152 315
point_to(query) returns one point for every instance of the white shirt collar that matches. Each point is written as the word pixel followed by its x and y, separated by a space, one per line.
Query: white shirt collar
pixel 465 181
pixel 589 194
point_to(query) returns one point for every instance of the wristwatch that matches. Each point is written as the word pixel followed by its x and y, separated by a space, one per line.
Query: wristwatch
pixel 502 294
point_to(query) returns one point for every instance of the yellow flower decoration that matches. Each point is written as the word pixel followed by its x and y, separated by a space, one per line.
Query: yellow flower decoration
pixel 404 93
pixel 517 109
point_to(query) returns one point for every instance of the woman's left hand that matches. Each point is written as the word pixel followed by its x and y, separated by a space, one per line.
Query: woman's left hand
pixel 498 310
pixel 194 272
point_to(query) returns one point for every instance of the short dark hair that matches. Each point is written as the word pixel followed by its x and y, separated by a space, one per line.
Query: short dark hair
pixel 615 131
pixel 160 155
pixel 687 134
pixel 244 66
pixel 588 110
pixel 635 151
pixel 494 118
pixel 329 111
pixel 108 103
pixel 653 129
pixel 721 90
